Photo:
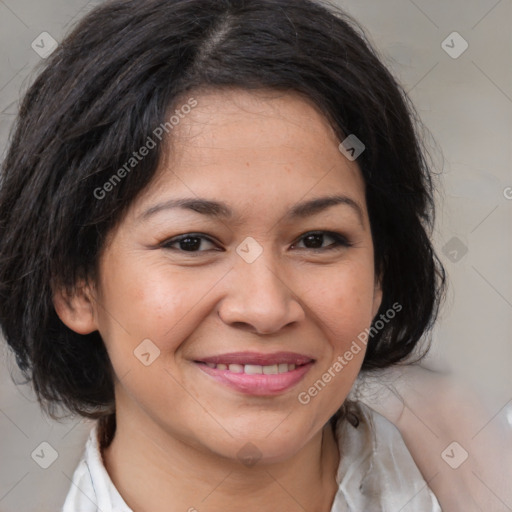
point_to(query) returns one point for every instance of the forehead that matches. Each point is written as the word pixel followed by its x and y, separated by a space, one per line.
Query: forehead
pixel 258 148
pixel 261 124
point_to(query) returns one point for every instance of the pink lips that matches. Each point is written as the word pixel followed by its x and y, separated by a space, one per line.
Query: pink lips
pixel 258 384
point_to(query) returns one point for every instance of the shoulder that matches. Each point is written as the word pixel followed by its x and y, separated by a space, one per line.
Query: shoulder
pixel 376 470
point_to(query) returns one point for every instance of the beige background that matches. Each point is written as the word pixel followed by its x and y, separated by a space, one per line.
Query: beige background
pixel 465 102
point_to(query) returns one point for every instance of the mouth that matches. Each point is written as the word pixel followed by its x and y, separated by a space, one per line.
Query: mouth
pixel 257 374
pixel 254 369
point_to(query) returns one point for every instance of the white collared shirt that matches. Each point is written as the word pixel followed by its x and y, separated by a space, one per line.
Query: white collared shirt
pixel 376 473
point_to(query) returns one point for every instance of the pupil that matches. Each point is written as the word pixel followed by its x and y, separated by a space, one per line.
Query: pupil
pixel 316 239
pixel 186 245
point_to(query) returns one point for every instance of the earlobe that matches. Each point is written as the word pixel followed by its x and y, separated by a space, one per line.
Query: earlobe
pixel 377 296
pixel 77 310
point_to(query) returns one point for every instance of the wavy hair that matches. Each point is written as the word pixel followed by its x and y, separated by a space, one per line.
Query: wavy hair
pixel 102 92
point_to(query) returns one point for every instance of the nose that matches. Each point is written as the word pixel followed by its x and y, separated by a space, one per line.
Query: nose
pixel 257 298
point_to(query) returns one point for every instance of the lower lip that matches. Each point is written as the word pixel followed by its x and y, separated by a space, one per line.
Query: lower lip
pixel 259 384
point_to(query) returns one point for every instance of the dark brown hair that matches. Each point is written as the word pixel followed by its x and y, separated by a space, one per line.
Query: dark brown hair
pixel 101 95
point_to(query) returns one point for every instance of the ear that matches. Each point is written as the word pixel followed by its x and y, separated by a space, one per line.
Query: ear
pixel 76 311
pixel 377 294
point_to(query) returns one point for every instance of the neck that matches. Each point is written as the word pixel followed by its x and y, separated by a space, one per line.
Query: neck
pixel 156 472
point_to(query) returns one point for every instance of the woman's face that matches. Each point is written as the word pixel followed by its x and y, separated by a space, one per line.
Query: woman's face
pixel 264 279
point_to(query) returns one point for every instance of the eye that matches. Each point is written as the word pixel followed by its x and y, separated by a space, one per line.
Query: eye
pixel 189 242
pixel 314 240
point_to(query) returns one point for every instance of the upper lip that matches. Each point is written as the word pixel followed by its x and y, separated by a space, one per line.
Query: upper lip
pixel 257 358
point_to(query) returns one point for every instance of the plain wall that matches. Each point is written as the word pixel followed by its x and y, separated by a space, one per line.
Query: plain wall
pixel 465 102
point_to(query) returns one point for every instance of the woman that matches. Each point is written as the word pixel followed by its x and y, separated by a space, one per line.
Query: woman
pixel 214 217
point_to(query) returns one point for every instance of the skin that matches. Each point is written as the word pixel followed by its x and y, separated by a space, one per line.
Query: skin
pixel 178 430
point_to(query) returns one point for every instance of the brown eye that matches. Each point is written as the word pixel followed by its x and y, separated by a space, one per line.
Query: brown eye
pixel 315 240
pixel 190 242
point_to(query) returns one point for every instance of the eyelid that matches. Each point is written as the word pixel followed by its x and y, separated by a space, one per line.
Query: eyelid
pixel 340 241
pixel 176 239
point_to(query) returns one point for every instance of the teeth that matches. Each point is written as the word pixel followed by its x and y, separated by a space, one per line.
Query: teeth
pixel 270 370
pixel 282 368
pixel 236 368
pixel 254 369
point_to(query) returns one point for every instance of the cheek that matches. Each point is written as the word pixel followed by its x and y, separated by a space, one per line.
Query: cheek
pixel 151 300
pixel 343 305
pixel 148 311
pixel 345 300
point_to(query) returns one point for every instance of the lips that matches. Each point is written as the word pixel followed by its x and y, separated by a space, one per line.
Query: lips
pixel 257 373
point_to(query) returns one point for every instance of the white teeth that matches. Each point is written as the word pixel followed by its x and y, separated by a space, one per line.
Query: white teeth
pixel 282 368
pixel 254 369
pixel 270 370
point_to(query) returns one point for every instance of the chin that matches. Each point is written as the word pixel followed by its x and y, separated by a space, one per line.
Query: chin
pixel 273 445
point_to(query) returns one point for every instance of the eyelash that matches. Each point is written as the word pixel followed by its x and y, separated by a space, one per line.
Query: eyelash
pixel 339 241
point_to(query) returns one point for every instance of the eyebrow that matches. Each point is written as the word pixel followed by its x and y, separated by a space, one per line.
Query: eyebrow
pixel 217 209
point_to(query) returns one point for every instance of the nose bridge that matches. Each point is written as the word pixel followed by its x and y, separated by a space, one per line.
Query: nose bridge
pixel 257 294
pixel 256 263
pixel 261 277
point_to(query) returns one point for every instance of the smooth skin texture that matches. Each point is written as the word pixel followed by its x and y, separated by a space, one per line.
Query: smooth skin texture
pixel 178 430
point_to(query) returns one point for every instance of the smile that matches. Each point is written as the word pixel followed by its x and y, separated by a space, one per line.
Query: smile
pixel 254 369
pixel 256 379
